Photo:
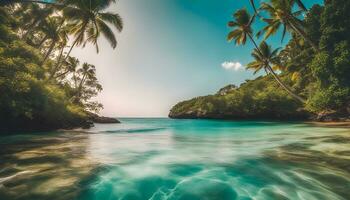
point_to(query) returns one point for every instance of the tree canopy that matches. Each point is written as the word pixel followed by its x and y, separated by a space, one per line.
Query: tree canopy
pixel 41 85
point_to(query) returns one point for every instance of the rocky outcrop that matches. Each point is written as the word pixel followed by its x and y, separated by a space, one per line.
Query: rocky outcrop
pixel 105 120
pixel 101 119
pixel 332 116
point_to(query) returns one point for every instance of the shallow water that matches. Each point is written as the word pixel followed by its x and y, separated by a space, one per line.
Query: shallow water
pixel 162 159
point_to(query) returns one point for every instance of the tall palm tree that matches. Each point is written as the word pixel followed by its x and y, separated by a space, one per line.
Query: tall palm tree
pixel 282 15
pixel 264 57
pixel 242 30
pixel 61 45
pixel 88 21
pixel 51 28
pixel 87 71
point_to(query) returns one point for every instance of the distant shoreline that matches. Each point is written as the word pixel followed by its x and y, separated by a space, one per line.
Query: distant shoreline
pixel 330 124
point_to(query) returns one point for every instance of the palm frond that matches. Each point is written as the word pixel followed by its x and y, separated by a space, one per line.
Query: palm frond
pixel 242 17
pixel 284 32
pixel 233 34
pixel 113 19
pixel 107 32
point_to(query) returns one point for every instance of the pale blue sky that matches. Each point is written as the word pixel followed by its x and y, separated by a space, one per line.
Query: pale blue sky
pixel 169 51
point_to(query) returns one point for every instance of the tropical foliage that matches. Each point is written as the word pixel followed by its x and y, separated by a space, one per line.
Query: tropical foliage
pixel 256 99
pixel 42 86
pixel 311 73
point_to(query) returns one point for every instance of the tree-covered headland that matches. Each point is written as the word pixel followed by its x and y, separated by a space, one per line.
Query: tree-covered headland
pixel 43 87
pixel 309 77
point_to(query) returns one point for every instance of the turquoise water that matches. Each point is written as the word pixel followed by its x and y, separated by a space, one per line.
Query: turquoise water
pixel 160 159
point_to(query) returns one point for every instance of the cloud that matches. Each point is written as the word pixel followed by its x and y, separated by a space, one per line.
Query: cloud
pixel 232 65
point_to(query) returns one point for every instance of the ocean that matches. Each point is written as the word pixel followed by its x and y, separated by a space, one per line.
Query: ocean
pixel 167 159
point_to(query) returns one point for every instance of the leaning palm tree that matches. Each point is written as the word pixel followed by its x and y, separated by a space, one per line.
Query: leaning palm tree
pixel 88 21
pixel 61 45
pixel 282 15
pixel 52 30
pixel 242 30
pixel 264 57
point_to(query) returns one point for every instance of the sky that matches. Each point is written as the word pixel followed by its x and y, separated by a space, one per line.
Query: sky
pixel 168 51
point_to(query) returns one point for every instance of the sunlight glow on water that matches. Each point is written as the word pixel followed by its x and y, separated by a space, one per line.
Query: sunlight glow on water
pixel 179 160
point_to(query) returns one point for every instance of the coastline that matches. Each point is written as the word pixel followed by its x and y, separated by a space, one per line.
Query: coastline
pixel 335 124
pixel 83 124
pixel 109 120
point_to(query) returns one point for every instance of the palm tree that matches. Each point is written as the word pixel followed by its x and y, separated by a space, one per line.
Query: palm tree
pixel 61 45
pixel 87 71
pixel 242 24
pixel 70 65
pixel 243 30
pixel 264 57
pixel 282 14
pixel 52 30
pixel 89 20
pixel 33 16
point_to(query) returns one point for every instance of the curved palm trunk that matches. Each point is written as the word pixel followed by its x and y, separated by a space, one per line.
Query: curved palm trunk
pixel 49 52
pixel 53 72
pixel 60 61
pixel 253 5
pixel 61 53
pixel 252 39
pixel 288 89
pixel 304 36
pixel 77 96
pixel 62 74
pixel 42 41
pixel 285 87
pixel 301 5
pixel 71 48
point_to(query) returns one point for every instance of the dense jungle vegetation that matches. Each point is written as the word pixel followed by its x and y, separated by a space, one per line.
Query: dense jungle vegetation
pixel 310 76
pixel 42 86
